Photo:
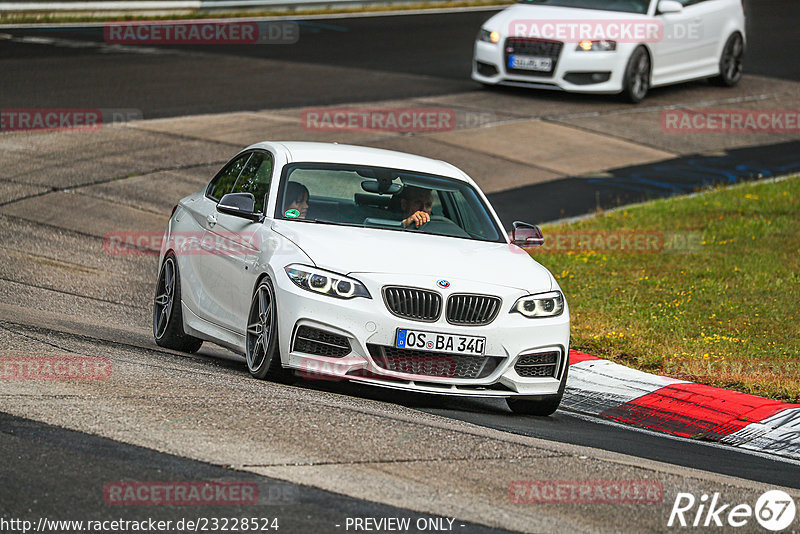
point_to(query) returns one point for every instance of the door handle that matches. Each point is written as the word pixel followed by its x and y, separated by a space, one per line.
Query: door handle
pixel 211 220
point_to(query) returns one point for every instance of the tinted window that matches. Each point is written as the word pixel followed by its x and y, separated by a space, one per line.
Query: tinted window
pixel 383 198
pixel 224 181
pixel 464 212
pixel 255 178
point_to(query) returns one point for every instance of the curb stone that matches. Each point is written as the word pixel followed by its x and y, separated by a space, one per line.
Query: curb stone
pixel 612 391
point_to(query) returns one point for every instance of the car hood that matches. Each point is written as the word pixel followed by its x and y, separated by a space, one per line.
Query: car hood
pixel 501 20
pixel 349 250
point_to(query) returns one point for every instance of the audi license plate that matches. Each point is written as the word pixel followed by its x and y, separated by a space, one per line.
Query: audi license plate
pixel 542 64
pixel 436 342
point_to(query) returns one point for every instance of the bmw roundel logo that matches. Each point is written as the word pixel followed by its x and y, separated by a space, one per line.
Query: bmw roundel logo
pixel 443 283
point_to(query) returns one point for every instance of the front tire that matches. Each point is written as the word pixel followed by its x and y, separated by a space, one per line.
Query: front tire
pixel 731 65
pixel 263 356
pixel 542 405
pixel 637 76
pixel 167 314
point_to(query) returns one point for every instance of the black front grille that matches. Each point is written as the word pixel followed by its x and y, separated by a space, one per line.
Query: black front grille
pixel 472 310
pixel 320 343
pixel 438 364
pixel 535 48
pixel 413 303
pixel 543 364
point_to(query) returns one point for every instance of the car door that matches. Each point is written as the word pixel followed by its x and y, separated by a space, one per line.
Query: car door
pixel 712 16
pixel 234 246
pixel 678 51
pixel 198 277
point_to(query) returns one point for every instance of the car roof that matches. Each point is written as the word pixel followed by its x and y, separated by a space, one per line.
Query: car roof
pixel 301 151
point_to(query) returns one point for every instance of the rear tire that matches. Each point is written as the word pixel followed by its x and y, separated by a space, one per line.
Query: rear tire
pixel 167 314
pixel 637 76
pixel 730 64
pixel 542 405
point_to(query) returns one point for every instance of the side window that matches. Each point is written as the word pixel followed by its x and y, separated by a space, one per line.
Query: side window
pixel 224 181
pixel 255 178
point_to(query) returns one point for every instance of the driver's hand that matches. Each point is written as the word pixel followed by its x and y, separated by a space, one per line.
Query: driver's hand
pixel 418 219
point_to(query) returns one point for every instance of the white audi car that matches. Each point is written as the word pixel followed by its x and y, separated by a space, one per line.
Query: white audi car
pixel 611 46
pixel 334 261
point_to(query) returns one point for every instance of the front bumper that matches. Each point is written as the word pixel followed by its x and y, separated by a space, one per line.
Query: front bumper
pixel 573 71
pixel 367 323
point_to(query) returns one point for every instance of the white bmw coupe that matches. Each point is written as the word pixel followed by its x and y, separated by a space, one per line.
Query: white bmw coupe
pixel 341 262
pixel 611 46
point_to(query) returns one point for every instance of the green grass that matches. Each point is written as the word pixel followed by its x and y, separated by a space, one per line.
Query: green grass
pixel 718 304
pixel 21 17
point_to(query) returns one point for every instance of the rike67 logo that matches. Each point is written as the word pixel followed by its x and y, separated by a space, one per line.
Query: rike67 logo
pixel 774 510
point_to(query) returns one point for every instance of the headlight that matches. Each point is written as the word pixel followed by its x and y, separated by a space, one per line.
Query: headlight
pixel 596 46
pixel 325 282
pixel 489 36
pixel 541 305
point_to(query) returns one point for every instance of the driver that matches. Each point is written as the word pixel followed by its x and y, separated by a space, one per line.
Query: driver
pixel 416 204
pixel 296 198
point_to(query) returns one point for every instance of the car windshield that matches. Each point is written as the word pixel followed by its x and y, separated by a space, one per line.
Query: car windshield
pixel 625 6
pixel 379 197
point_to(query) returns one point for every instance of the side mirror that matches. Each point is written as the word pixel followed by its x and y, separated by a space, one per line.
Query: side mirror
pixel 670 6
pixel 240 205
pixel 526 235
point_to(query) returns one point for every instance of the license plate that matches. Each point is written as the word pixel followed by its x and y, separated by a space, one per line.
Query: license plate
pixel 530 63
pixel 436 342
